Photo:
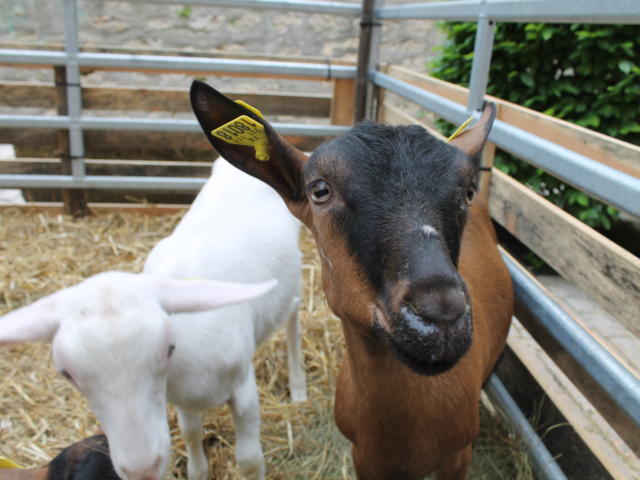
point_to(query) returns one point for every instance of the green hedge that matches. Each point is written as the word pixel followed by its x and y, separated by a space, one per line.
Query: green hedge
pixel 586 74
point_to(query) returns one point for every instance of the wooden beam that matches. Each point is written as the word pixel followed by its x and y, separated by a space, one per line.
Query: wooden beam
pixel 127 98
pixel 605 443
pixel 609 273
pixel 342 103
pixel 607 150
pixel 394 116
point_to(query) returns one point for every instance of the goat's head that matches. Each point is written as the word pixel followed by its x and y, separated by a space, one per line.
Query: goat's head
pixel 112 338
pixel 387 206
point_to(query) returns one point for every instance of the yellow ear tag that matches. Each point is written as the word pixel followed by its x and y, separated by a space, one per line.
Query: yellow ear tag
pixel 460 129
pixel 249 107
pixel 6 463
pixel 244 130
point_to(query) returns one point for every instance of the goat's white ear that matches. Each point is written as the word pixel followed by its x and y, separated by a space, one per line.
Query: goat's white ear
pixel 182 296
pixel 38 321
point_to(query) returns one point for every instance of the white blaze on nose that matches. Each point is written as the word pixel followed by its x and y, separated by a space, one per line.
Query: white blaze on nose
pixel 429 230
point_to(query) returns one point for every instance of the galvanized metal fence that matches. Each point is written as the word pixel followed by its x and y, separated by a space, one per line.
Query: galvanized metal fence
pixel 601 181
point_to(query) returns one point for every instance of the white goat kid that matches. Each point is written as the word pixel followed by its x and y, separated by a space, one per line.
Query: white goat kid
pixel 114 334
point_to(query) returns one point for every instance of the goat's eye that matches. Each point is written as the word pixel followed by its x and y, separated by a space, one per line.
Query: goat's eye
pixel 171 349
pixel 66 375
pixel 470 194
pixel 320 191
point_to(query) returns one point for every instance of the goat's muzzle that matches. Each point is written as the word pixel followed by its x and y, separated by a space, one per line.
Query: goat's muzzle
pixel 431 331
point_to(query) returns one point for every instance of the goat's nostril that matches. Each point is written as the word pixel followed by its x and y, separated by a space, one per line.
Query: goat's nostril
pixel 440 307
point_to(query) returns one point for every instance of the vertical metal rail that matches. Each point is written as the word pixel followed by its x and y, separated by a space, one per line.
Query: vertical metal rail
pixel 368 55
pixel 481 62
pixel 74 91
pixel 478 82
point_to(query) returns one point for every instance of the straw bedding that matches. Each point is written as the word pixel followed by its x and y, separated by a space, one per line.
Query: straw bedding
pixel 40 413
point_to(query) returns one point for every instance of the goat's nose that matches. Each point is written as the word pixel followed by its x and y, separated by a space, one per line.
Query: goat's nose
pixel 439 306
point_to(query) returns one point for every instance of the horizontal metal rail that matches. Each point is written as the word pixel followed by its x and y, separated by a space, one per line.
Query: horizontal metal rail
pixel 334 8
pixel 619 383
pixel 543 464
pixel 153 124
pixel 165 62
pixel 601 181
pixel 550 11
pixel 101 182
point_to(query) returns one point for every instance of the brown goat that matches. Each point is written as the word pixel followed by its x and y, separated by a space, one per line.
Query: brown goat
pixel 393 216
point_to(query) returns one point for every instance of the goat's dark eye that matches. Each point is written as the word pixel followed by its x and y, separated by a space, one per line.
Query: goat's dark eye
pixel 171 349
pixel 470 194
pixel 320 191
pixel 66 375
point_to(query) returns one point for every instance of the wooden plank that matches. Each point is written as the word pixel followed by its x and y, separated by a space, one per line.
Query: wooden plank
pixel 594 263
pixel 342 103
pixel 127 98
pixel 619 460
pixel 101 208
pixel 394 116
pixel 609 151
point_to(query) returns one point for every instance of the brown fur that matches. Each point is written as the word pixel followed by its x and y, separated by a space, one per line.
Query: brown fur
pixel 403 425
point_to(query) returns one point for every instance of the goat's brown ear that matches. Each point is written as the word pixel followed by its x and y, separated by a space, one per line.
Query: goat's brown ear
pixel 471 141
pixel 284 169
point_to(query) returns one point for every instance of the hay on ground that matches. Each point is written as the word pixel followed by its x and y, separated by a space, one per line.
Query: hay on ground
pixel 41 413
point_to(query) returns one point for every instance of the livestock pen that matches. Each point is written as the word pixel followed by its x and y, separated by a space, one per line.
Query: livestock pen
pixel 589 374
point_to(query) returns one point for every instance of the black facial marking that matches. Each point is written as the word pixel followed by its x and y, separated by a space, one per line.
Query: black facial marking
pixel 392 181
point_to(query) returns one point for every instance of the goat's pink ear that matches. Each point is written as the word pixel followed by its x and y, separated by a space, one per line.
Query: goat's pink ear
pixel 182 296
pixel 284 169
pixel 471 141
pixel 38 321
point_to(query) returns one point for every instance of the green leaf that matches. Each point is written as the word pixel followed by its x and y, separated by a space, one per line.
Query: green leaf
pixel 625 66
pixel 547 33
pixel 527 79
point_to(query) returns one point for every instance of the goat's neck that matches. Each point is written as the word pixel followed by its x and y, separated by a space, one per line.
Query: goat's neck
pixel 376 373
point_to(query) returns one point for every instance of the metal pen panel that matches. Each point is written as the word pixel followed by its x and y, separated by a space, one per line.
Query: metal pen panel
pixel 550 11
pixel 619 383
pixel 334 8
pixel 483 47
pixel 101 182
pixel 543 464
pixel 74 91
pixel 154 124
pixel 601 181
pixel 168 63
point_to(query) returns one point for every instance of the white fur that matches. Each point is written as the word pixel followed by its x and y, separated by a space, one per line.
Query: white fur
pixel 112 333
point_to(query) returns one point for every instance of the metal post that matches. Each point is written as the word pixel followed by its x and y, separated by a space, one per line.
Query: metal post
pixel 75 200
pixel 543 464
pixel 368 55
pixel 481 62
pixel 74 92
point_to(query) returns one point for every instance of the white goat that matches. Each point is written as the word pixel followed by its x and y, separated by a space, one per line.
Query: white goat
pixel 114 334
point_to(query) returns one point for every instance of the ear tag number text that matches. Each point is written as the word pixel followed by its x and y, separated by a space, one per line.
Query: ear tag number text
pixel 243 130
